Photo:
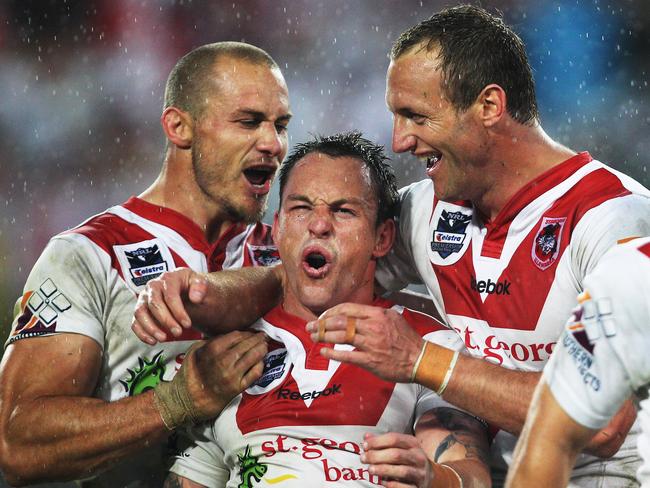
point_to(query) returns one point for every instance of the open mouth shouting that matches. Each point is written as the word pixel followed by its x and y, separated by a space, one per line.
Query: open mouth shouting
pixel 432 161
pixel 260 178
pixel 316 261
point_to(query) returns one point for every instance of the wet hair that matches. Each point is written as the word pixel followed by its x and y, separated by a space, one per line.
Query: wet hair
pixel 354 145
pixel 189 84
pixel 476 48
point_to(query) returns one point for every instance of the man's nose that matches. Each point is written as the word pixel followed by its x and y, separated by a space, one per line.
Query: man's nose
pixel 403 139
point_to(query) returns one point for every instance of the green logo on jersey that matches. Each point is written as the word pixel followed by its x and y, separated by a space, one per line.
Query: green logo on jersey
pixel 147 375
pixel 250 469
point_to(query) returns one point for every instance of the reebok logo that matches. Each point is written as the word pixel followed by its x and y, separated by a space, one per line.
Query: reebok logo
pixel 490 287
pixel 288 394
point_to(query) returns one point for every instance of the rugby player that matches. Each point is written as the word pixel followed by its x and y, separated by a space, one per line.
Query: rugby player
pixel 79 395
pixel 600 360
pixel 311 422
pixel 502 232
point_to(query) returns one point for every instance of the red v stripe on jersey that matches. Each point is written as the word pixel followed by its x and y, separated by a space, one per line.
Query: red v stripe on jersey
pixel 517 307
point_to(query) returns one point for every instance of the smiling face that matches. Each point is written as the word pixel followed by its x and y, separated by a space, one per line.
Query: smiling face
pixel 326 234
pixel 240 137
pixel 452 144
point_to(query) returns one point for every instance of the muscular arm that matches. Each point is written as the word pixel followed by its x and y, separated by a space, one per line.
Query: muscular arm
pixel 388 347
pixel 444 438
pixel 49 428
pixel 458 440
pixel 548 446
pixel 502 397
pixel 215 302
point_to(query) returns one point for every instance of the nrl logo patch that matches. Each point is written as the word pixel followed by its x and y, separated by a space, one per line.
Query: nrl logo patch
pixel 143 261
pixel 450 233
pixel 264 255
pixel 275 369
pixel 546 245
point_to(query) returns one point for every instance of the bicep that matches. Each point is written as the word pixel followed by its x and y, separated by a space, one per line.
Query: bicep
pixel 60 364
pixel 448 434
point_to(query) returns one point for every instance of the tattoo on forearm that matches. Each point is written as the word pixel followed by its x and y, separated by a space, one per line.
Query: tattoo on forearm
pixel 173 481
pixel 466 432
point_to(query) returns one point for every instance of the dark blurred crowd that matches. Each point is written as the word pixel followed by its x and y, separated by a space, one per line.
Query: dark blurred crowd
pixel 82 85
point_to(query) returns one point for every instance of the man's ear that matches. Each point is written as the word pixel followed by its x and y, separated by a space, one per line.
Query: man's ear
pixel 275 228
pixel 384 239
pixel 491 105
pixel 178 127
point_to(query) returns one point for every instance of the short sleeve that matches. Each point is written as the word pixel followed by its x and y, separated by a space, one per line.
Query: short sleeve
pixel 201 460
pixel 65 291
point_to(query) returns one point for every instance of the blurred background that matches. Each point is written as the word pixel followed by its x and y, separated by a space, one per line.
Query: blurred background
pixel 82 84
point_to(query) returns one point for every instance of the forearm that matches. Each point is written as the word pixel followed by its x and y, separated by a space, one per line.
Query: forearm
pixel 548 446
pixel 237 298
pixel 496 394
pixel 472 472
pixel 67 437
pixel 547 466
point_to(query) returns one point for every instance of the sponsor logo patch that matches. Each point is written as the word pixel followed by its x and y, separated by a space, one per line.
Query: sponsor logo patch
pixel 490 287
pixel 143 261
pixel 288 394
pixel 450 233
pixel 276 369
pixel 546 245
pixel 39 311
pixel 264 255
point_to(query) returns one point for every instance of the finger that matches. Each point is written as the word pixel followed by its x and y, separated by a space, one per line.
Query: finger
pixel 393 455
pixel 171 293
pixel 252 375
pixel 357 357
pixel 157 307
pixel 223 343
pixel 249 359
pixel 148 324
pixel 397 484
pixel 389 440
pixel 354 309
pixel 198 288
pixel 141 334
pixel 339 329
pixel 408 475
pixel 240 349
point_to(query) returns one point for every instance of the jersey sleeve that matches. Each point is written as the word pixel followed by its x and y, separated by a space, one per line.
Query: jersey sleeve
pixel 590 388
pixel 602 227
pixel 201 460
pixel 602 346
pixel 397 269
pixel 65 291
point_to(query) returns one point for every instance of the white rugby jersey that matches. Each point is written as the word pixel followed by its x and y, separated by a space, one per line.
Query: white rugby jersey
pixel 507 286
pixel 302 423
pixel 87 281
pixel 603 356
